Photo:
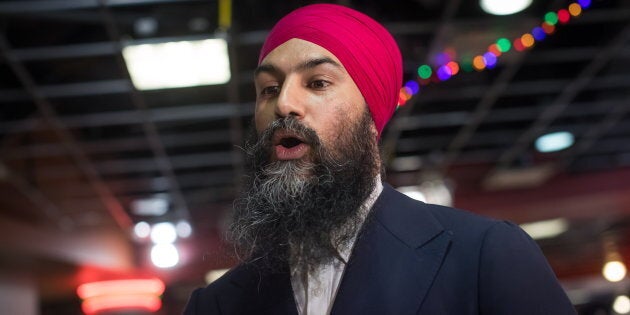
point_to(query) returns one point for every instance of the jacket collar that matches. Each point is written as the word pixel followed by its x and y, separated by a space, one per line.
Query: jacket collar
pixel 398 253
pixel 409 221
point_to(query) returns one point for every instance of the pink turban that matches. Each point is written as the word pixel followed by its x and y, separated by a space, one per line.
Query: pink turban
pixel 365 48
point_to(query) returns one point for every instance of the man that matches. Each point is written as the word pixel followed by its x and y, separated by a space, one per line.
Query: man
pixel 317 230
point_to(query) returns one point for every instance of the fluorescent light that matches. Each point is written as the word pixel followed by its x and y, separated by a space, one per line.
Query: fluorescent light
pixel 178 64
pixel 555 141
pixel 504 7
pixel 546 228
pixel 153 206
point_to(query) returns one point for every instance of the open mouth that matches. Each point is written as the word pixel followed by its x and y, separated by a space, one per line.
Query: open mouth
pixel 288 146
pixel 290 142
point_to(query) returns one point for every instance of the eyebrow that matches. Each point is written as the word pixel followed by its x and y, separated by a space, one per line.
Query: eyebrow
pixel 306 65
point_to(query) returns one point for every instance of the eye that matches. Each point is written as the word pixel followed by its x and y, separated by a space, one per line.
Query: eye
pixel 318 84
pixel 270 90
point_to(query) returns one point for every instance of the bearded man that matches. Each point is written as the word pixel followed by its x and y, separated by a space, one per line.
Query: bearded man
pixel 320 233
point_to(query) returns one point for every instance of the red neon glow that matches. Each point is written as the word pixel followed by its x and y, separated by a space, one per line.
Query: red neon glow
pixel 121 287
pixel 98 304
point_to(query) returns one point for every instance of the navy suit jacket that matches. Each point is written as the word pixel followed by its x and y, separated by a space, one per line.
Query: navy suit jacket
pixel 412 258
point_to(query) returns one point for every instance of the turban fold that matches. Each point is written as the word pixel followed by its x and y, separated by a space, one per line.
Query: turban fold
pixel 365 48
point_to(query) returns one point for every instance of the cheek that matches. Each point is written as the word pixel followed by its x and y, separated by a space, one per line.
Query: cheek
pixel 262 118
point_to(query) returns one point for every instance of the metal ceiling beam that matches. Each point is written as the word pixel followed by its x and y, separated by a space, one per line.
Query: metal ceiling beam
pixel 236 125
pixel 595 132
pixel 161 159
pixel 206 112
pixel 74 149
pixel 501 115
pixel 498 137
pixel 151 184
pixel 35 6
pixel 522 88
pixel 51 212
pixel 482 109
pixel 66 51
pixel 147 165
pixel 394 130
pixel 555 108
pixel 127 144
pixel 101 87
pixel 187 181
pixel 117 86
pixel 257 37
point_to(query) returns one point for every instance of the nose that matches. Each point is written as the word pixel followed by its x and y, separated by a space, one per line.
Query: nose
pixel 290 100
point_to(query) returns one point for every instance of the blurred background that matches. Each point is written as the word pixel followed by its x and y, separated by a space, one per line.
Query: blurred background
pixel 121 120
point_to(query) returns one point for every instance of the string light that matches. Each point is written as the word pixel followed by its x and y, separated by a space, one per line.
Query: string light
pixel 563 16
pixel 494 48
pixel 504 44
pixel 584 3
pixel 424 71
pixel 575 9
pixel 413 86
pixel 551 18
pixel 538 33
pixel 444 73
pixel 518 44
pixel 467 65
pixel 479 63
pixel 490 59
pixel 527 40
pixel 454 67
pixel 447 66
pixel 548 28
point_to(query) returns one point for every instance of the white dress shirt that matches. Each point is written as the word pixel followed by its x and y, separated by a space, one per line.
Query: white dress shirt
pixel 316 295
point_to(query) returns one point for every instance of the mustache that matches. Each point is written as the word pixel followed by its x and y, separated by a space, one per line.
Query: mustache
pixel 289 125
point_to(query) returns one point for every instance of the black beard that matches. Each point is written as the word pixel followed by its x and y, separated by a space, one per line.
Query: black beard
pixel 302 211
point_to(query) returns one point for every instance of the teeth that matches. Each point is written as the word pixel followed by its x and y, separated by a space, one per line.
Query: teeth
pixel 289 142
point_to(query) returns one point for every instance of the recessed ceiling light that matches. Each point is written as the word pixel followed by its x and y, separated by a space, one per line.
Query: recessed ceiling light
pixel 555 141
pixel 504 7
pixel 621 305
pixel 164 255
pixel 163 233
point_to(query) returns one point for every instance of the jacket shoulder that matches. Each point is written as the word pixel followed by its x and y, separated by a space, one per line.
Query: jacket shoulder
pixel 206 300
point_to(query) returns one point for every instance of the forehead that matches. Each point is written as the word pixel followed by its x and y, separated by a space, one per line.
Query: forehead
pixel 297 50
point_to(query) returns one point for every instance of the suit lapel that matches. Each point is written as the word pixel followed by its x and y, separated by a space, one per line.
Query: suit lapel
pixel 395 259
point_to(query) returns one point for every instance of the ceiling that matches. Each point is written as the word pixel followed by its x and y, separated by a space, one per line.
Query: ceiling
pixel 79 145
